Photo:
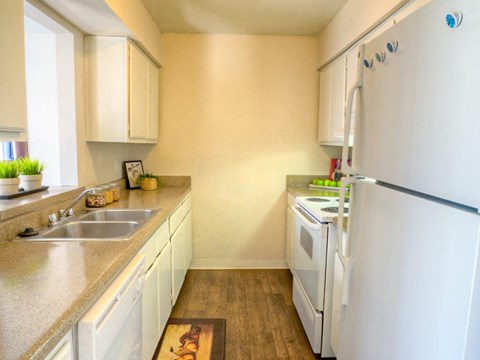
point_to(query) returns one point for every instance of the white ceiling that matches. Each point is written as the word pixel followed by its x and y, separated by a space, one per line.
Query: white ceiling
pixel 261 17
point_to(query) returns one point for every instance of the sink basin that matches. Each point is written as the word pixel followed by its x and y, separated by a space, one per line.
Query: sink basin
pixel 97 225
pixel 117 215
pixel 91 230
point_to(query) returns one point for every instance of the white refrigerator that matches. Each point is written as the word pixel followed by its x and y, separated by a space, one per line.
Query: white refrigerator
pixel 410 261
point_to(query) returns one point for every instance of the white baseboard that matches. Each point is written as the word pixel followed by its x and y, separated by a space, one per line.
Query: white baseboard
pixel 237 264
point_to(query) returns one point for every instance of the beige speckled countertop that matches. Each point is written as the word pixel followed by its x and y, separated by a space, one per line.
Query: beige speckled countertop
pixel 45 287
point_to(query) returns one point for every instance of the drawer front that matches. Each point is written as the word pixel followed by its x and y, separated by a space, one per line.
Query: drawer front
pixel 162 236
pixel 149 250
pixel 175 219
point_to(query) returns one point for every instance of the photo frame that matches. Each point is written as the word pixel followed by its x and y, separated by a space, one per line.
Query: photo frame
pixel 133 169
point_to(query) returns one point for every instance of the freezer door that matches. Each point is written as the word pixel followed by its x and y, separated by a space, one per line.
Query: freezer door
pixel 419 126
pixel 413 287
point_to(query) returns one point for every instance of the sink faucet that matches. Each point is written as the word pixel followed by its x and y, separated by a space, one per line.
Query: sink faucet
pixel 68 212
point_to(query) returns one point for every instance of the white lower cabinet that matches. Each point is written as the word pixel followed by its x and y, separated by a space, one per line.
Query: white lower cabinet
pixel 63 350
pixel 188 240
pixel 157 295
pixel 178 261
pixel 150 312
pixel 164 286
pixel 180 225
pixel 290 235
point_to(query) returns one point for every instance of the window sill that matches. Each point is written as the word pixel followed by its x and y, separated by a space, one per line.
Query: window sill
pixel 34 202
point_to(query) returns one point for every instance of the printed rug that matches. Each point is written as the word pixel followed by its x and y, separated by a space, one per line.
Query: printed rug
pixel 193 339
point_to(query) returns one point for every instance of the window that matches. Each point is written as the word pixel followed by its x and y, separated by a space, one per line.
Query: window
pixel 50 80
pixel 13 150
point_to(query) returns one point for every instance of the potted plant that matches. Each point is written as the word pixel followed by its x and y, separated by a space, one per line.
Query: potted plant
pixel 147 181
pixel 9 181
pixel 30 173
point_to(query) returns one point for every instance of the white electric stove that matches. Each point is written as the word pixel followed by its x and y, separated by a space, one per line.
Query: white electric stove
pixel 313 268
pixel 323 209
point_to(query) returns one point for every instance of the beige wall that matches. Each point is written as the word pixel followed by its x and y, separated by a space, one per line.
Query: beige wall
pixel 13 109
pixel 238 113
pixel 136 17
pixel 354 20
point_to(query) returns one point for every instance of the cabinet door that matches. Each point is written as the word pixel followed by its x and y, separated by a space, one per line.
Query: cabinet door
pixel 138 93
pixel 152 106
pixel 337 100
pixel 13 103
pixel 188 240
pixel 332 102
pixel 351 77
pixel 178 261
pixel 289 238
pixel 150 312
pixel 164 286
pixel 324 105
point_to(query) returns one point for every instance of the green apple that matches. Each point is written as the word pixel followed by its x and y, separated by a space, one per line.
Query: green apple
pixel 327 183
pixel 338 184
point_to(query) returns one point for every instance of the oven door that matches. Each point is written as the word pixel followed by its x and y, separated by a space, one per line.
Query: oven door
pixel 310 256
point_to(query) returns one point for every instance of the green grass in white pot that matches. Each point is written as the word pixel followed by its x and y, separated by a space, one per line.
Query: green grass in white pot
pixel 30 166
pixel 9 169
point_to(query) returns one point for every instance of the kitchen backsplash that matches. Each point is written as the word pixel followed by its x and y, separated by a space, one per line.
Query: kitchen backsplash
pixel 299 180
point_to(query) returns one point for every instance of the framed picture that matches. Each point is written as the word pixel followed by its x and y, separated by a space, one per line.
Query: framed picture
pixel 133 170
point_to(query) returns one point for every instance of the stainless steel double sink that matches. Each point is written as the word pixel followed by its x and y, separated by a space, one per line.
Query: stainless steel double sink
pixel 98 225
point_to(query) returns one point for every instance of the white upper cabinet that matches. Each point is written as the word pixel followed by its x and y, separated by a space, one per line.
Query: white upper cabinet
pixel 332 102
pixel 13 98
pixel 121 92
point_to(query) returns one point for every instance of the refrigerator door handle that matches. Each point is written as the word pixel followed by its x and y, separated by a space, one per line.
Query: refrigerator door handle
pixel 343 248
pixel 346 169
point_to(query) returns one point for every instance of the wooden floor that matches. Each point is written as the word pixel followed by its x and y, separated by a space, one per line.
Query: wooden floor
pixel 261 320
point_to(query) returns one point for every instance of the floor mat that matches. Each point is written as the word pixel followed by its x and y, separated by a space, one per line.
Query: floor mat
pixel 193 339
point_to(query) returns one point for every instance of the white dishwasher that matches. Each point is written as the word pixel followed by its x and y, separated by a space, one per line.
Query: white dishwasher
pixel 112 328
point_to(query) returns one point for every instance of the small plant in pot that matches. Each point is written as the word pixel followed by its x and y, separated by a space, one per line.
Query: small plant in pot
pixel 9 181
pixel 30 173
pixel 147 181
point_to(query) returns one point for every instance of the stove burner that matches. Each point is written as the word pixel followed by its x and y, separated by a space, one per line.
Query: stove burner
pixel 334 209
pixel 312 199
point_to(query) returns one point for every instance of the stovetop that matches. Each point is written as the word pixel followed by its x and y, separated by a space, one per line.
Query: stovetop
pixel 324 209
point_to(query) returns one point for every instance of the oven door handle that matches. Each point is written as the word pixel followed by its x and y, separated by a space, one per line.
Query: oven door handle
pixel 308 222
